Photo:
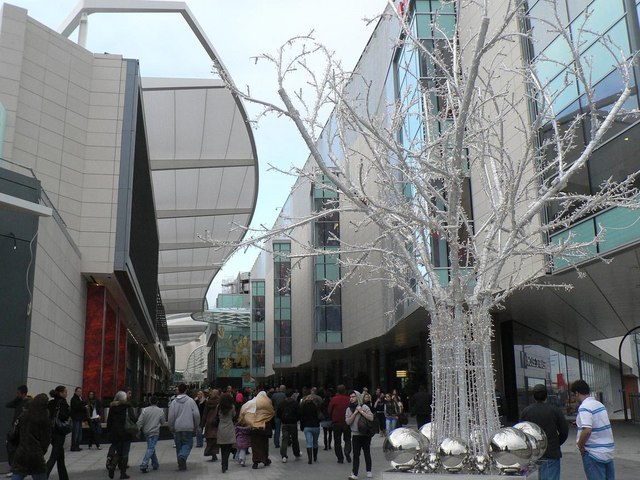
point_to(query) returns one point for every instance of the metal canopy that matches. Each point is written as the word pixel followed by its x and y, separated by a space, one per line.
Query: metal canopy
pixel 203 161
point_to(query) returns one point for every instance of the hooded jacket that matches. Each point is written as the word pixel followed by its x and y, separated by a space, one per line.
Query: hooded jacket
pixel 184 415
pixel 150 420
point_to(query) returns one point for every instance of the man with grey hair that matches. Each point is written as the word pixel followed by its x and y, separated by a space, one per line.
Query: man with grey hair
pixel 184 418
pixel 276 399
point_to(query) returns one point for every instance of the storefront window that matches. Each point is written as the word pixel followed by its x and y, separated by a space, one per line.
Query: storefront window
pixel 540 359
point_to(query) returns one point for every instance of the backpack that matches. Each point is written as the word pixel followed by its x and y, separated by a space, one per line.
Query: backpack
pixel 365 426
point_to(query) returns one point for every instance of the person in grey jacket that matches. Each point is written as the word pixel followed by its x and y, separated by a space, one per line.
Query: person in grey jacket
pixel 184 418
pixel 149 423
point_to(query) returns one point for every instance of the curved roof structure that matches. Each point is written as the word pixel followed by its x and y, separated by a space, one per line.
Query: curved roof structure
pixel 203 161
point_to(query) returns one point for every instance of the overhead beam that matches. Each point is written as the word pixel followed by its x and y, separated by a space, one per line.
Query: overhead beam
pixel 192 163
pixel 184 246
pixel 182 286
pixel 190 268
pixel 215 212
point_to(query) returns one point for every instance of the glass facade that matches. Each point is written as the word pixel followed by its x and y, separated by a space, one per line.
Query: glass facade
pixel 257 328
pixel 328 298
pixel 541 359
pixel 282 302
pixel 602 29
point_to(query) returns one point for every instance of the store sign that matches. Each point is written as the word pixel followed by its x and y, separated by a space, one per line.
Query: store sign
pixel 528 361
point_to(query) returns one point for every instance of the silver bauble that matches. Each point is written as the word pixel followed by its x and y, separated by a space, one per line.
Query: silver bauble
pixel 536 432
pixel 431 462
pixel 510 449
pixel 427 431
pixel 535 448
pixel 453 454
pixel 403 448
pixel 480 463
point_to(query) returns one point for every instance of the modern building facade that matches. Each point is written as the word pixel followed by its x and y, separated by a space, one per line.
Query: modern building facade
pixel 102 203
pixel 366 334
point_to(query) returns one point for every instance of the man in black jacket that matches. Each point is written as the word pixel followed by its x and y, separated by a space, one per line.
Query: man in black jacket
pixel 289 414
pixel 421 406
pixel 553 422
pixel 78 414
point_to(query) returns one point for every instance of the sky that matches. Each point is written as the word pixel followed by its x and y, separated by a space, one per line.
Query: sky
pixel 239 30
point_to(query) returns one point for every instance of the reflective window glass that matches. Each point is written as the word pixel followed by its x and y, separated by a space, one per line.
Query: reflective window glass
pixel 542 18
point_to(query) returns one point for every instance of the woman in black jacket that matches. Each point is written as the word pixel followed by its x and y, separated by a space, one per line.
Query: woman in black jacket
pixel 118 454
pixel 95 419
pixel 58 408
pixel 310 425
pixel 35 435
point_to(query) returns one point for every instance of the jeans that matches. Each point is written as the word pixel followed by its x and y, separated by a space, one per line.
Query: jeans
pixel 391 424
pixel 199 437
pixel 549 469
pixel 311 434
pixel 34 476
pixel 95 430
pixel 276 432
pixel 150 454
pixel 184 444
pixel 290 437
pixel 596 470
pixel 338 432
pixel 76 434
pixel 361 442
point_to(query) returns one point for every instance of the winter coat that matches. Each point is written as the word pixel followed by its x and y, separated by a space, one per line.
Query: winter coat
pixel 337 406
pixel 210 413
pixel 35 436
pixel 289 411
pixel 94 404
pixel 226 430
pixel 78 410
pixel 309 413
pixel 58 406
pixel 116 421
pixel 243 437
pixel 257 412
pixel 184 415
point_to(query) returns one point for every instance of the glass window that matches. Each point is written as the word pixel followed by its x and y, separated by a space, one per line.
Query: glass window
pixel 601 57
pixel 540 15
pixel 587 28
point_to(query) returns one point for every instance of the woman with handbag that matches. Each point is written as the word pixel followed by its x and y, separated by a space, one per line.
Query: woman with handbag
pixel 59 413
pixel 94 410
pixel 119 435
pixel 359 417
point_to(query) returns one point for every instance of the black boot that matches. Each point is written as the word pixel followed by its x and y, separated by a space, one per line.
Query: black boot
pixel 309 456
pixel 122 465
pixel 112 463
pixel 315 454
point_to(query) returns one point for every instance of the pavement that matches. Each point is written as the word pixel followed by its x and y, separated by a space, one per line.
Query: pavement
pixel 90 464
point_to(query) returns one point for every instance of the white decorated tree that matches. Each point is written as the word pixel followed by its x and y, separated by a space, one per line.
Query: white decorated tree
pixel 481 116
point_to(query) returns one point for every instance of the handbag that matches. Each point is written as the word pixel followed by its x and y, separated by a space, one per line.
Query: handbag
pixel 130 426
pixel 402 419
pixel 61 427
pixel 365 426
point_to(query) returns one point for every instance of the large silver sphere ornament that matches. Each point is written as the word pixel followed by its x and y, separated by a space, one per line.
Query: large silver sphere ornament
pixel 453 454
pixel 510 449
pixel 536 432
pixel 427 432
pixel 480 463
pixel 403 448
pixel 431 462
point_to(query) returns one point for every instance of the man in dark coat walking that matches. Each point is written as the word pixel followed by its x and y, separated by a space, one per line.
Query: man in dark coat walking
pixel 78 414
pixel 553 422
pixel 421 406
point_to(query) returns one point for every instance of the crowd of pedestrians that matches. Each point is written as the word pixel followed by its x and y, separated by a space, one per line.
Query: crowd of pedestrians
pixel 238 425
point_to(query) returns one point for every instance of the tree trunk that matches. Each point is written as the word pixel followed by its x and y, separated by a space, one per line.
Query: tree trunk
pixel 464 400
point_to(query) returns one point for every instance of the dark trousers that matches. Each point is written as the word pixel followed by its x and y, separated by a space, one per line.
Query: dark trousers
pixel 289 437
pixel 338 432
pixel 225 451
pixel 94 432
pixel 57 457
pixel 422 419
pixel 259 446
pixel 361 442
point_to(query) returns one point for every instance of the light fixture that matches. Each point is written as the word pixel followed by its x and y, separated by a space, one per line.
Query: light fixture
pixel 626 139
pixel 15 243
pixel 402 373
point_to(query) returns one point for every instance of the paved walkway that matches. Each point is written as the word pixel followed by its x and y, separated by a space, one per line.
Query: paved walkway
pixel 90 464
